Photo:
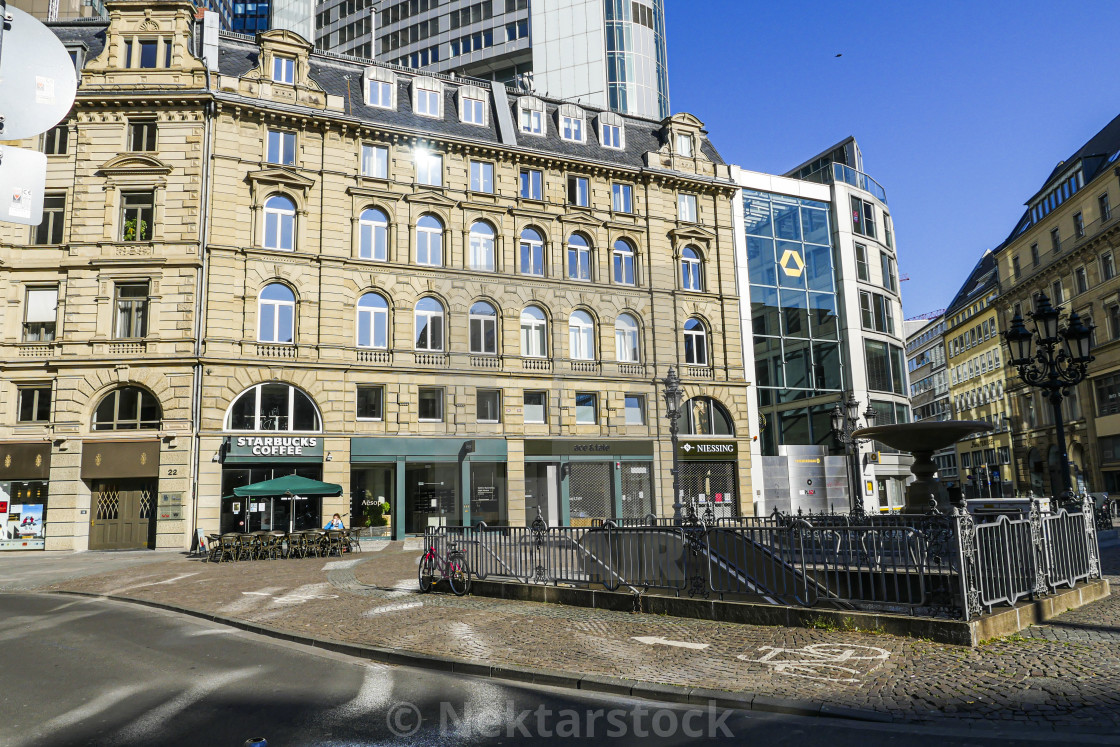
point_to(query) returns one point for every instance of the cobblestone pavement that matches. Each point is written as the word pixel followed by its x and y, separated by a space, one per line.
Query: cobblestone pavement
pixel 1062 675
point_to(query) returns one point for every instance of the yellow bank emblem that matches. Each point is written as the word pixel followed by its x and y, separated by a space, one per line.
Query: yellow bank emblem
pixel 792 264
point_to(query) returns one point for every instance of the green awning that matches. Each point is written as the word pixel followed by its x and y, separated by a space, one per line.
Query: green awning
pixel 288 485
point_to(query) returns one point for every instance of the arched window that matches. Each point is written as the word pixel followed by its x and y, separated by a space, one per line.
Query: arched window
pixel 482 247
pixel 581 336
pixel 273 407
pixel 623 255
pixel 429 241
pixel 690 270
pixel 484 329
pixel 373 321
pixel 279 223
pixel 695 343
pixel 129 408
pixel 276 312
pixel 373 235
pixel 626 339
pixel 704 416
pixel 429 325
pixel 532 253
pixel 534 333
pixel 579 257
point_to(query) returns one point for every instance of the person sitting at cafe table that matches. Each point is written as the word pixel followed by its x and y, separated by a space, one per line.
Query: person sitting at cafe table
pixel 334 524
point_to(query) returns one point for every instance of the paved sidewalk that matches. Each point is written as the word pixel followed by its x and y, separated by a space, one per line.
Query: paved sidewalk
pixel 1063 675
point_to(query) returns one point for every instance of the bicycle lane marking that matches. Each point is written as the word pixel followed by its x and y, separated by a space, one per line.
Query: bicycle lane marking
pixel 823 662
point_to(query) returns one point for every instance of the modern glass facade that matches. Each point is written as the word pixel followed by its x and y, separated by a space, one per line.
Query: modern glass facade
pixel 637 61
pixel 250 18
pixel 794 303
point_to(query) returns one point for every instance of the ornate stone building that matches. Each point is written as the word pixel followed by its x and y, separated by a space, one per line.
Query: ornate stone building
pixel 429 290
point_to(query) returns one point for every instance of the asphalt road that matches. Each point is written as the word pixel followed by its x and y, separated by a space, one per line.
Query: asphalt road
pixel 21 571
pixel 81 671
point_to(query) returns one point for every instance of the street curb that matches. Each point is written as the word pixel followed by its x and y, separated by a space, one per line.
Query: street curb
pixel 602 684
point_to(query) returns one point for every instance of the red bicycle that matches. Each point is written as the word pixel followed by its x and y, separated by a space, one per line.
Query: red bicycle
pixel 453 567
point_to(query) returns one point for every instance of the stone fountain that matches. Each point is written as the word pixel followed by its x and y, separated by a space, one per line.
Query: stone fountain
pixel 921 440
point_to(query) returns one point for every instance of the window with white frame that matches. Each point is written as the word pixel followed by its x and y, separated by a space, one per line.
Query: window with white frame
pixel 482 247
pixel 473 110
pixel 571 128
pixel 579 191
pixel 686 207
pixel 482 177
pixel 279 223
pixel 429 241
pixel 626 339
pixel 273 407
pixel 281 147
pixel 373 235
pixel 483 323
pixel 379 93
pixel 611 135
pixel 283 70
pixel 429 168
pixel 132 301
pixel 684 145
pixel 579 258
pixel 375 161
pixel 531 184
pixel 370 403
pixel 581 336
pixel 531 253
pixel 276 312
pixel 532 121
pixel 40 314
pixel 373 321
pixel 429 325
pixel 534 333
pixel 691 278
pixel 427 95
pixel 622 256
pixel 622 198
pixel 695 343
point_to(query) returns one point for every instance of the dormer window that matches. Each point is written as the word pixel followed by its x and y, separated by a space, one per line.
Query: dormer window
pixel 472 105
pixel 531 115
pixel 571 128
pixel 684 145
pixel 610 130
pixel 380 85
pixel 145 53
pixel 284 70
pixel 427 94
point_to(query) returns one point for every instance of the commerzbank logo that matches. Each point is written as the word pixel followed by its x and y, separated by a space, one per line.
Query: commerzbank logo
pixel 792 263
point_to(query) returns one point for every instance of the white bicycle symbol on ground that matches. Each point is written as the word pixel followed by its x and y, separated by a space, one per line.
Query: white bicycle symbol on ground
pixel 826 662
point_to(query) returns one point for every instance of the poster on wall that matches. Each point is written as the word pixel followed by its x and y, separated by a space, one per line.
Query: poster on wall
pixel 21 526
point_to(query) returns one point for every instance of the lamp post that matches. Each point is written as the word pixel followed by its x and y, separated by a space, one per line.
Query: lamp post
pixel 673 394
pixel 1013 465
pixel 1058 364
pixel 845 422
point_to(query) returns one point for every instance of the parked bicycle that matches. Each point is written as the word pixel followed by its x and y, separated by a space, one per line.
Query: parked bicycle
pixel 452 567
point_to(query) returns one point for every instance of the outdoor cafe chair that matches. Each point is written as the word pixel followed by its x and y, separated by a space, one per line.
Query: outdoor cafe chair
pixel 333 542
pixel 246 549
pixel 213 548
pixel 297 545
pixel 230 547
pixel 353 543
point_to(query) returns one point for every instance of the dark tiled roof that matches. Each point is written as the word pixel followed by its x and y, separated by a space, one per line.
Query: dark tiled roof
pixel 90 32
pixel 984 277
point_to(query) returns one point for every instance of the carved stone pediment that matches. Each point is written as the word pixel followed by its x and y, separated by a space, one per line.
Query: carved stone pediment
pixel 283 177
pixel 134 164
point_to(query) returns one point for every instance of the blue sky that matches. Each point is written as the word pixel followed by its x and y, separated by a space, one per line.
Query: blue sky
pixel 961 109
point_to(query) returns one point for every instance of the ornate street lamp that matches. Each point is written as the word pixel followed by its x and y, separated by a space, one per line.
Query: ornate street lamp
pixel 1058 364
pixel 673 393
pixel 845 422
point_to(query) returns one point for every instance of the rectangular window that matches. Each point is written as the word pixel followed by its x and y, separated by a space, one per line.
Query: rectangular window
pixel 281 147
pixel 381 94
pixel 1108 267
pixel 531 184
pixel 474 111
pixel 427 102
pixel 430 405
pixel 371 402
pixel 50 230
pixel 142 136
pixel 284 70
pixel 885 365
pixel 863 270
pixel 1015 268
pixel 132 310
pixel 686 207
pixel 1056 292
pixel 375 161
pixel 1080 280
pixel 1034 255
pixel 1078 225
pixel 578 191
pixel 684 145
pixel 612 136
pixel 429 169
pixel 482 177
pixel 149 49
pixel 622 198
pixel 137 209
pixel 1055 239
pixel 887 231
pixel 56 141
pixel 889 281
pixel 865 312
pixel 1105 207
pixel 863 217
pixel 587 408
pixel 1114 320
pixel 536 407
pixel 39 314
pixel 635 409
pixel 571 128
pixel 1108 394
pixel 532 122
pixel 34 404
pixel 488 405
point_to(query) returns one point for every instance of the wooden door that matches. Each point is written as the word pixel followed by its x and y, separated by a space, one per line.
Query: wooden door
pixel 121 515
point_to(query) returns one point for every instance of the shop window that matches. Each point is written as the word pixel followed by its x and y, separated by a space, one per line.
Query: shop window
pixel 370 403
pixel 695 343
pixel 705 416
pixel 40 312
pixel 429 241
pixel 375 161
pixel 626 339
pixel 273 407
pixel 488 404
pixel 536 407
pixel 129 408
pixel 534 333
pixel 691 279
pixel 430 404
pixel 429 325
pixel 623 256
pixel 483 329
pixel 579 258
pixel 137 209
pixel 532 253
pixel 34 404
pixel 587 408
pixel 131 310
pixel 635 409
pixel 581 336
pixel 373 235
pixel 276 309
pixel 279 223
pixel 373 321
pixel 49 231
pixel 481 247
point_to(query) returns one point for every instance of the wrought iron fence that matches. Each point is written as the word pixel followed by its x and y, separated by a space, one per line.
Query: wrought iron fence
pixel 922 564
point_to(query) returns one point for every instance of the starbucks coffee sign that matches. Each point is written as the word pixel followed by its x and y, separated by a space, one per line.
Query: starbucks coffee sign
pixel 707 451
pixel 273 448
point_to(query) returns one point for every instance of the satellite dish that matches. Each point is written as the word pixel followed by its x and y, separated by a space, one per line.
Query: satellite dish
pixel 37 78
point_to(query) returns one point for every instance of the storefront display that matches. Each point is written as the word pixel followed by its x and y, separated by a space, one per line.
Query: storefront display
pixel 252 459
pixel 24 471
pixel 708 475
pixel 574 483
